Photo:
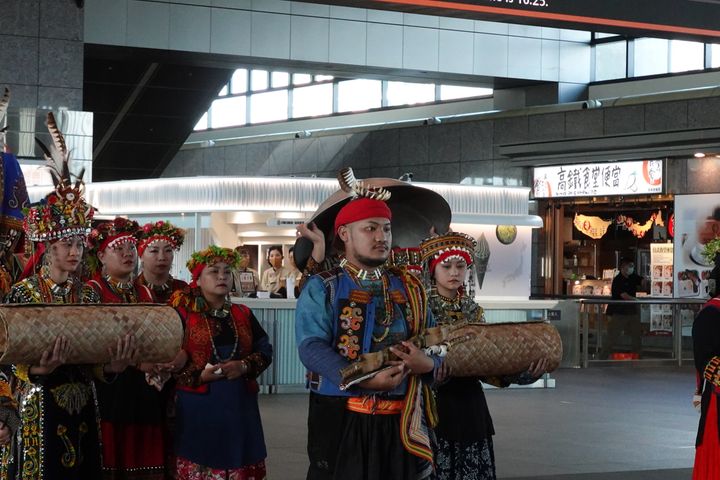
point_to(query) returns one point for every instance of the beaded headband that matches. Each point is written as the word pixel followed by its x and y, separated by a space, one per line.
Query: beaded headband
pixel 446 247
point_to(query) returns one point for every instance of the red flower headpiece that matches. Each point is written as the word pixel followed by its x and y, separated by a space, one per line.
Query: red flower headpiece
pixel 159 231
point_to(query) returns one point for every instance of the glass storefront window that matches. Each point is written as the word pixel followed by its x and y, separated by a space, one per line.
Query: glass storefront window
pixel 714 55
pixel 405 93
pixel 454 92
pixel 312 101
pixel 227 112
pixel 258 80
pixel 239 81
pixel 650 56
pixel 269 106
pixel 301 79
pixel 686 56
pixel 280 79
pixel 358 95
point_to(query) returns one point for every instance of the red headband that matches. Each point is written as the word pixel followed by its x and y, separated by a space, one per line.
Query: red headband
pixel 449 254
pixel 114 239
pixel 361 209
pixel 142 245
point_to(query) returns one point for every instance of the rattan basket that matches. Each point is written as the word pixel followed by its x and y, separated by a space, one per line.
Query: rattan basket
pixel 26 331
pixel 502 348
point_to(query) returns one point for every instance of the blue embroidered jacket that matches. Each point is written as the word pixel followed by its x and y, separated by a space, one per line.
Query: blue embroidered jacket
pixel 336 320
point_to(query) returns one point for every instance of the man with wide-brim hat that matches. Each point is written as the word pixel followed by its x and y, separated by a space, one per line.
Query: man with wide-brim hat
pixel 377 427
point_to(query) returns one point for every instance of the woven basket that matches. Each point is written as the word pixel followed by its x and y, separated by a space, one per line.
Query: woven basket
pixel 502 348
pixel 26 331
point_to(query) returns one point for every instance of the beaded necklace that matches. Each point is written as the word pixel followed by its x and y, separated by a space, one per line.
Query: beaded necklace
pixel 125 290
pixel 161 288
pixel 221 313
pixel 358 274
pixel 51 291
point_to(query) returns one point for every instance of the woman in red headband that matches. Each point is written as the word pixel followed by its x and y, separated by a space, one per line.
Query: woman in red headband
pixel 464 432
pixel 132 412
pixel 157 244
pixel 218 421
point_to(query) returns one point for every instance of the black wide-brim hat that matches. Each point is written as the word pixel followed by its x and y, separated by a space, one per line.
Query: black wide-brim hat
pixel 415 211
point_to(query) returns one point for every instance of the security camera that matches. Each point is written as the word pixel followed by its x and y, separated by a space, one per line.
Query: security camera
pixel 591 104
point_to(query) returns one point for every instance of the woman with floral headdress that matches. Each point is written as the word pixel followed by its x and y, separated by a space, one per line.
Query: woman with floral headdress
pixel 219 433
pixel 464 432
pixel 157 244
pixel 58 434
pixel 132 412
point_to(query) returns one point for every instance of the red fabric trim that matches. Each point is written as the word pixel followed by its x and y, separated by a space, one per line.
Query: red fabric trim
pixel 198 344
pixel 361 209
pixel 707 454
pixel 132 446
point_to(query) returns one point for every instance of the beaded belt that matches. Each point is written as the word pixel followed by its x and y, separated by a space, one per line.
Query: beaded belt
pixel 373 406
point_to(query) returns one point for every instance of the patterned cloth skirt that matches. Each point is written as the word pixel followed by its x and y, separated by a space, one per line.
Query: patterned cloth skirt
pixel 188 470
pixel 465 460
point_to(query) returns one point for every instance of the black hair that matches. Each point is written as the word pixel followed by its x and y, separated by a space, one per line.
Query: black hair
pixel 274 247
pixel 625 261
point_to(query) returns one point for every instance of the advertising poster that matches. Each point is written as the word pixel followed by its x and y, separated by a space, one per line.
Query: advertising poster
pixel 502 259
pixel 697 221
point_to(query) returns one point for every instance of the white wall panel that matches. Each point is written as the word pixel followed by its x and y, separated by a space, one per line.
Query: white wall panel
pixel 491 55
pixel 348 13
pixel 525 57
pixel 415 20
pixel 550 60
pixel 574 62
pixel 274 6
pixel 456 51
pixel 309 38
pixel 230 31
pixel 420 48
pixel 190 28
pixel 270 35
pixel 384 45
pixel 310 9
pixel 109 22
pixel 148 24
pixel 348 41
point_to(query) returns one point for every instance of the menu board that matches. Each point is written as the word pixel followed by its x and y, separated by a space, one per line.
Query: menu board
pixel 661 269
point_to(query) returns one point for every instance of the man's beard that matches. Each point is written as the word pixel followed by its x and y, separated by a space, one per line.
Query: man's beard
pixel 370 262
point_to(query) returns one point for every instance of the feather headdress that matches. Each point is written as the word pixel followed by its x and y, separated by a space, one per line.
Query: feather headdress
pixel 357 188
pixel 64 212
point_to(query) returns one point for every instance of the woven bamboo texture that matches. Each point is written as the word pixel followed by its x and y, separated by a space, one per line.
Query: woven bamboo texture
pixel 502 348
pixel 28 330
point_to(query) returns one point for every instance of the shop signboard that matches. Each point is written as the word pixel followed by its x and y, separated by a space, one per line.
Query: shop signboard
pixel 697 221
pixel 592 179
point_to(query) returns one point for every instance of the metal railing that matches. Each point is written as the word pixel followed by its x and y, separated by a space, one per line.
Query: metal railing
pixel 652 330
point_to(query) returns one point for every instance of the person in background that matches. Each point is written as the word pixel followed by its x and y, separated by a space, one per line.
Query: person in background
pixel 219 431
pixel 293 272
pixel 157 244
pixel 245 279
pixel 624 318
pixel 274 278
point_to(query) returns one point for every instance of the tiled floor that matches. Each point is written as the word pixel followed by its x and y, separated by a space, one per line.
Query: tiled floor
pixel 599 423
